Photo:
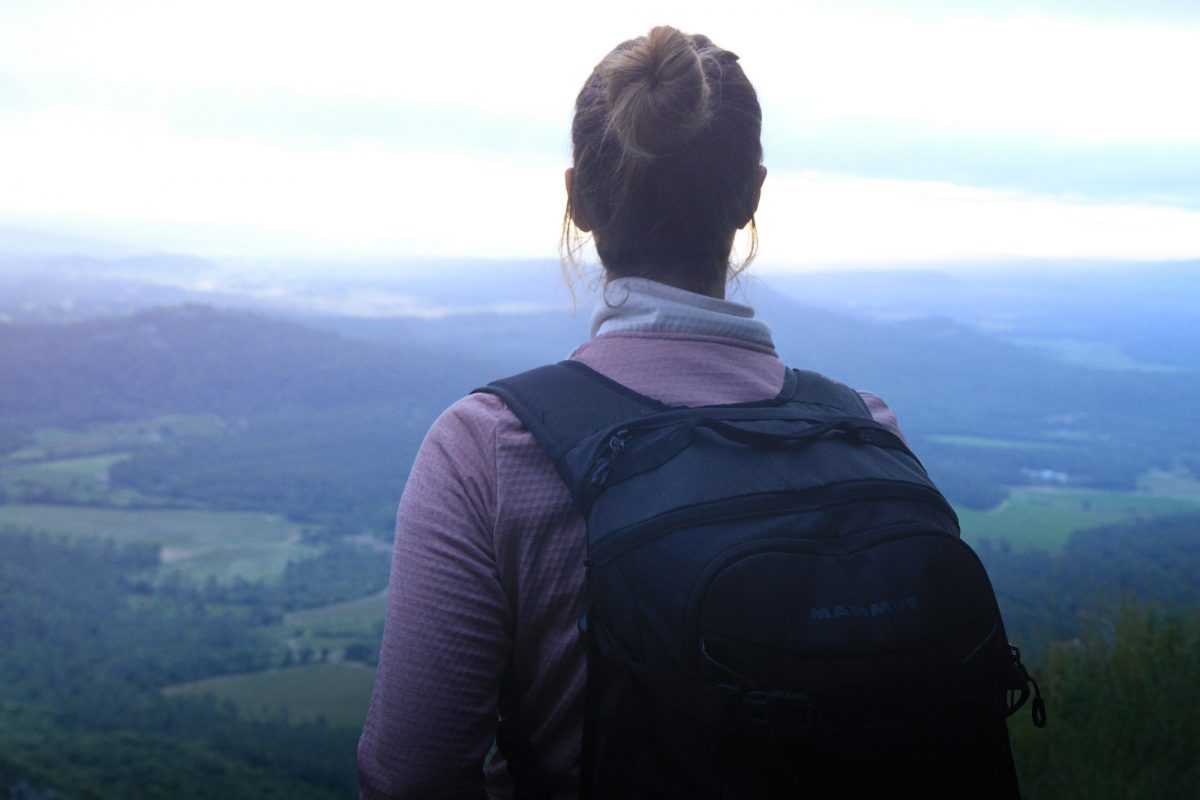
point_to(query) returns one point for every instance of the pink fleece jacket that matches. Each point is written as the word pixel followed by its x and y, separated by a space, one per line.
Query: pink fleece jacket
pixel 489 561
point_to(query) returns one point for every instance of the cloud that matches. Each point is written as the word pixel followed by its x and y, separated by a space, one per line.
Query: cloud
pixel 1162 173
pixel 1080 81
pixel 809 218
pixel 120 173
pixel 420 128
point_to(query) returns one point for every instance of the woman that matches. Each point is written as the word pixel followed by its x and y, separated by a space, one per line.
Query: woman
pixel 489 553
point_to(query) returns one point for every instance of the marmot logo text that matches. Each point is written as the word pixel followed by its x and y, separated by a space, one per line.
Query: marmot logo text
pixel 879 608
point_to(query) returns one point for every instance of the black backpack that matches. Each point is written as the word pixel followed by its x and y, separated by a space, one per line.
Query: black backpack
pixel 778 602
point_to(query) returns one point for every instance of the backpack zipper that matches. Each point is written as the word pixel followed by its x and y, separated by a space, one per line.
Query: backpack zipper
pixel 619 542
pixel 598 474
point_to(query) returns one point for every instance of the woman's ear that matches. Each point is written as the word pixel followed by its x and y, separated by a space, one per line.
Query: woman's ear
pixel 577 214
pixel 755 196
pixel 762 176
pixel 745 209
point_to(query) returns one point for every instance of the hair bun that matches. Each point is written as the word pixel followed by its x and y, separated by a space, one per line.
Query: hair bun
pixel 657 92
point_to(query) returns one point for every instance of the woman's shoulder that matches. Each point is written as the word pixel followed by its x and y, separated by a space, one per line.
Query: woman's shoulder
pixel 460 446
pixel 478 417
pixel 881 412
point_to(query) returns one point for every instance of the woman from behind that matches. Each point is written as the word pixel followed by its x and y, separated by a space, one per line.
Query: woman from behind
pixel 488 571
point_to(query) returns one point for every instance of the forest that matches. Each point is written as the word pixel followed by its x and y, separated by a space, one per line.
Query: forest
pixel 88 647
pixel 196 506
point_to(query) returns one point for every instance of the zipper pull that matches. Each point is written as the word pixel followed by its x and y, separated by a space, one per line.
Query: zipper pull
pixel 603 465
pixel 1039 705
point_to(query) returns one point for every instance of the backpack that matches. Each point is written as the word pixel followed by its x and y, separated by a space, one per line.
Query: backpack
pixel 778 602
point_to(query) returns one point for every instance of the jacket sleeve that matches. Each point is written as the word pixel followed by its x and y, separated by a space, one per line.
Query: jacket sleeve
pixel 446 638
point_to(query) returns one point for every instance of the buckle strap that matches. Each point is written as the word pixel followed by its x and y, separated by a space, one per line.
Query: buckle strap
pixel 776 715
pixel 512 740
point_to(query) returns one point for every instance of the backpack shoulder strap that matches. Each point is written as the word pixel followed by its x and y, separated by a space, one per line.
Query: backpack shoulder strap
pixel 561 405
pixel 565 403
pixel 814 389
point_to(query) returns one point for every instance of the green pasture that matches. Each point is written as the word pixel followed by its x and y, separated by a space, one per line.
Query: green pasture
pixel 84 479
pixel 334 627
pixel 353 618
pixel 63 443
pixel 1045 518
pixel 251 563
pixel 339 692
pixel 1097 355
pixel 1180 485
pixel 93 468
pixel 993 444
pixel 196 543
pixel 71 465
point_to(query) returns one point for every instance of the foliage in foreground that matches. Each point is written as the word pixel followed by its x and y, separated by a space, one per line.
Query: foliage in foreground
pixel 38 758
pixel 1049 597
pixel 1124 712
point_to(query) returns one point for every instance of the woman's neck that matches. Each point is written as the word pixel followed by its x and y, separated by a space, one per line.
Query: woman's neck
pixel 680 279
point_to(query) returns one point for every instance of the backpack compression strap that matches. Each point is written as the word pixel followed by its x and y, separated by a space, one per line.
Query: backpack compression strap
pixel 564 404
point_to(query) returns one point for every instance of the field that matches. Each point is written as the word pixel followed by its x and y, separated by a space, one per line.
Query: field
pixel 58 483
pixel 58 443
pixel 1178 485
pixel 78 480
pixel 1045 518
pixel 993 444
pixel 323 648
pixel 338 692
pixel 356 617
pixel 199 544
pixel 71 465
pixel 1093 354
pixel 82 478
pixel 327 631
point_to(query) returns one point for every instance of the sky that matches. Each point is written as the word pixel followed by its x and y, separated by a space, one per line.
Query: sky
pixel 894 133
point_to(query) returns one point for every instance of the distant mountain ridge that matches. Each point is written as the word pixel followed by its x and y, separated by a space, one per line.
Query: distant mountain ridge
pixel 948 383
pixel 195 358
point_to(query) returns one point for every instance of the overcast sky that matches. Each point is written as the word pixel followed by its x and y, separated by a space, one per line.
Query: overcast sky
pixel 894 132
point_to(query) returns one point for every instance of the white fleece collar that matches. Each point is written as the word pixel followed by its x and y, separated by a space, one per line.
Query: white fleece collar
pixel 639 304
